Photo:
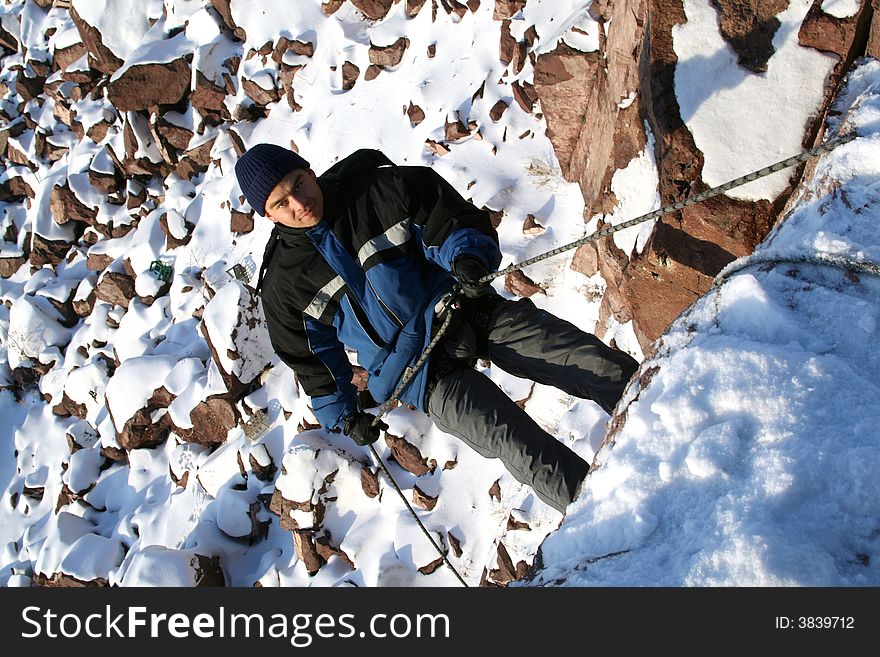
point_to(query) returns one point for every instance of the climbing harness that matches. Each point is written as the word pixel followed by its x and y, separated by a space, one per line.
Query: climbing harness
pixel 604 232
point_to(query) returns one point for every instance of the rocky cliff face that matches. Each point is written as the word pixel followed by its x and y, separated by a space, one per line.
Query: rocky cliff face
pixel 597 129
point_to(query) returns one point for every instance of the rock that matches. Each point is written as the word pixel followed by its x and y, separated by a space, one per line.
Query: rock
pixel 586 260
pixel 174 135
pixel 326 550
pixel 145 85
pixel 517 283
pixel 68 407
pixel 68 55
pixel 413 7
pixel 388 56
pixel 241 222
pixel 456 130
pixel 872 49
pixel 416 114
pixel 100 56
pixel 304 544
pixel 140 431
pixel 285 45
pixel 211 420
pixel 258 94
pixel 47 252
pixel 407 455
pixel 373 9
pixel 497 110
pixel 28 87
pixel 531 226
pixel 330 7
pixel 350 74
pixel 506 571
pixel 749 27
pixel 208 97
pixel 423 500
pixel 65 206
pixel 436 147
pixel 495 491
pixel 836 35
pixel 98 261
pixel 11 264
pixel 566 81
pixel 262 472
pixel 116 287
pixel 64 581
pixel 507 8
pixel 369 481
pixel 525 95
pixel 222 7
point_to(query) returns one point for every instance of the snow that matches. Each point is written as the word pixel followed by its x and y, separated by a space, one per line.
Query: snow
pixel 841 8
pixel 771 109
pixel 759 422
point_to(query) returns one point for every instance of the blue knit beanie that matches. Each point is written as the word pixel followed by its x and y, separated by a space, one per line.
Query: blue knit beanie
pixel 261 168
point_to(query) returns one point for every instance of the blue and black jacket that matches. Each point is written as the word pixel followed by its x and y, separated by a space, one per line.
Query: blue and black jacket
pixel 367 277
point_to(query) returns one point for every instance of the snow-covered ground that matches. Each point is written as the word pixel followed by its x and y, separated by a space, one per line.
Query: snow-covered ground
pixel 747 460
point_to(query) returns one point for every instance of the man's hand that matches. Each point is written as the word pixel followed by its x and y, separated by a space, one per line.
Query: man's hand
pixel 359 427
pixel 469 270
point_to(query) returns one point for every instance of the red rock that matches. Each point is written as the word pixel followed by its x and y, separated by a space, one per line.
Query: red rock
pixel 223 8
pixel 116 288
pixel 65 206
pixel 407 455
pixel 369 482
pixel 507 8
pixel 495 491
pixel 241 222
pixel 525 95
pixel 350 74
pixel 388 56
pixel 749 27
pixel 100 56
pixel 416 114
pixel 373 9
pixel 304 544
pixel 456 130
pixel 521 285
pixel 258 94
pixel 212 420
pixel 423 500
pixel 413 7
pixel 145 85
pixel 332 6
pixel 872 49
pixel 47 252
pixel 372 73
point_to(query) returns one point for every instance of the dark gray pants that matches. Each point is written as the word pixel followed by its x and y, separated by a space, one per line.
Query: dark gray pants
pixel 533 344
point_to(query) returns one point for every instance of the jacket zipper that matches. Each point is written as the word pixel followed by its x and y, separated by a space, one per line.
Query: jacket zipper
pixel 361 318
pixel 385 307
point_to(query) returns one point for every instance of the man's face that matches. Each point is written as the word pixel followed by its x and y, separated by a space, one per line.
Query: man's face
pixel 296 201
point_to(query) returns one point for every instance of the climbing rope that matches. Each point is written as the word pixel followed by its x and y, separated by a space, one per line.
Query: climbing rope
pixel 675 207
pixel 823 260
pixel 413 514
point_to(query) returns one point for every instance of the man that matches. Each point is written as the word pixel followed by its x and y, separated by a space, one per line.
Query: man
pixel 364 256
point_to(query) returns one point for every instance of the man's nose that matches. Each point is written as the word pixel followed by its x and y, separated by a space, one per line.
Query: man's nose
pixel 297 203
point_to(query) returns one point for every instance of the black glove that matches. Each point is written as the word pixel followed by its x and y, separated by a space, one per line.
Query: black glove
pixel 359 427
pixel 468 270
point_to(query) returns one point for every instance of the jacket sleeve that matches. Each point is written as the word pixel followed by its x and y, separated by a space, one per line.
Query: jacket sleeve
pixel 449 226
pixel 312 350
